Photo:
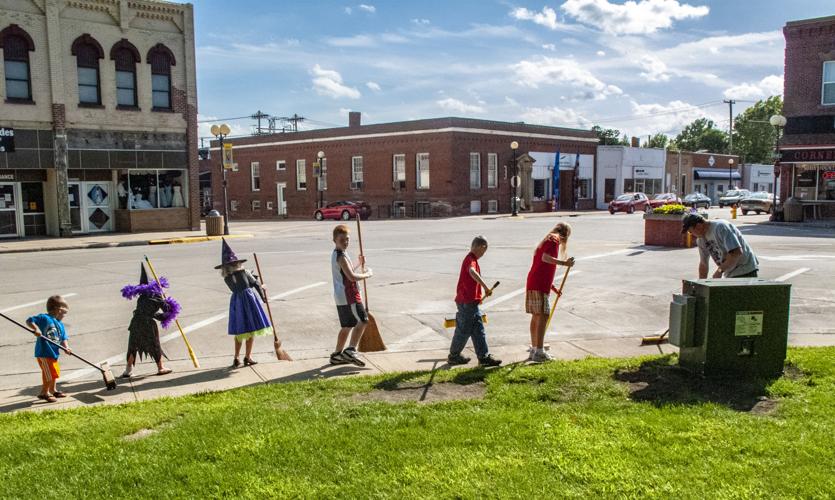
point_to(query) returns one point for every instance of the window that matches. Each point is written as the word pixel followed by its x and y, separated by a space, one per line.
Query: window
pixel 398 171
pixel 301 176
pixel 585 188
pixel 422 170
pixel 492 170
pixel 475 171
pixel 161 59
pixel 255 175
pixel 492 206
pixel 87 52
pixel 828 90
pixel 16 45
pixel 356 172
pixel 280 165
pixel 150 189
pixel 233 205
pixel 125 57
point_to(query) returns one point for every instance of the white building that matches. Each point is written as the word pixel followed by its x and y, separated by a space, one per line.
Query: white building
pixel 758 177
pixel 624 169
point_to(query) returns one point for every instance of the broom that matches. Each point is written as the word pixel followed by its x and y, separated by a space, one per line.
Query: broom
pixel 280 353
pixel 177 322
pixel 371 341
pixel 109 379
pixel 655 339
pixel 450 322
pixel 557 296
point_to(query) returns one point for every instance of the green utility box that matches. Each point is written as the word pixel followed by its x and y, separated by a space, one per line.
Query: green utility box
pixel 731 327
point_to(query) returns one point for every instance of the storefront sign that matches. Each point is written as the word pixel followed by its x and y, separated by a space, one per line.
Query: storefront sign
pixel 6 140
pixel 6 177
pixel 807 155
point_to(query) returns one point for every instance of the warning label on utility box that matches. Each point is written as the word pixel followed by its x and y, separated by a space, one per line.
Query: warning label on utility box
pixel 748 323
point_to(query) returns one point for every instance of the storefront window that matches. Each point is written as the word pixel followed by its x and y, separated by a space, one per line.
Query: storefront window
pixel 805 182
pixel 826 183
pixel 149 189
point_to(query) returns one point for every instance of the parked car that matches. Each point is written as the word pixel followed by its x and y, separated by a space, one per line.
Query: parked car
pixel 733 197
pixel 344 210
pixel 662 199
pixel 697 200
pixel 759 202
pixel 629 202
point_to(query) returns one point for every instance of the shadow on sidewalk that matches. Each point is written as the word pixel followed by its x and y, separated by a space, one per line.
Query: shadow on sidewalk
pixel 88 392
pixel 323 372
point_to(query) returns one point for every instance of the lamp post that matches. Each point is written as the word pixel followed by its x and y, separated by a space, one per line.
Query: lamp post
pixel 730 173
pixel 778 122
pixel 321 186
pixel 222 131
pixel 513 181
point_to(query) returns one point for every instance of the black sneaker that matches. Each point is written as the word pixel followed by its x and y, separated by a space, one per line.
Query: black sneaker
pixel 350 355
pixel 457 360
pixel 338 359
pixel 489 360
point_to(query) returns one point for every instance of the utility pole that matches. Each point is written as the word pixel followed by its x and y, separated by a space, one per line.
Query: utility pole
pixel 259 116
pixel 730 103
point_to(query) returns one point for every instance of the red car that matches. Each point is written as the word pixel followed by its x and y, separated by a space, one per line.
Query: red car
pixel 344 210
pixel 663 199
pixel 629 203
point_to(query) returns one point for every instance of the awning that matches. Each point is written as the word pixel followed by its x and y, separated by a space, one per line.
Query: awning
pixel 716 175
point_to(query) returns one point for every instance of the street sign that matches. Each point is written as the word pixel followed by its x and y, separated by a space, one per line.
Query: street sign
pixel 228 164
pixel 515 180
pixel 6 140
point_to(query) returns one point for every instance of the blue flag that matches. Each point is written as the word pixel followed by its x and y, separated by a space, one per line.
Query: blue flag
pixel 556 181
pixel 576 179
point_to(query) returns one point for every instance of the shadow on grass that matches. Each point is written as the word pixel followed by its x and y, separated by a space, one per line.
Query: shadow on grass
pixel 322 372
pixel 661 383
pixel 406 381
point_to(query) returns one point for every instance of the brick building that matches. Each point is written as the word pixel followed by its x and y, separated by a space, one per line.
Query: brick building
pixel 98 108
pixel 421 168
pixel 708 173
pixel 807 167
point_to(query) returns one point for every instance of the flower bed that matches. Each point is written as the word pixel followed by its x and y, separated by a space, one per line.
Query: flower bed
pixel 662 227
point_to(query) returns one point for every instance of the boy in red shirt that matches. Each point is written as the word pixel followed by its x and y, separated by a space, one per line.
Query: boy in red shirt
pixel 540 282
pixel 468 321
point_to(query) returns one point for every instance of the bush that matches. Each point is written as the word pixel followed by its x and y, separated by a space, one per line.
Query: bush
pixel 671 209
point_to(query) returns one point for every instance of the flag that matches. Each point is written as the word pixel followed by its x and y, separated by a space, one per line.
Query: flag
pixel 556 181
pixel 576 179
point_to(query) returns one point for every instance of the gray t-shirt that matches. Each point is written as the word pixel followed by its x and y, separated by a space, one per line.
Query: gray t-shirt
pixel 720 238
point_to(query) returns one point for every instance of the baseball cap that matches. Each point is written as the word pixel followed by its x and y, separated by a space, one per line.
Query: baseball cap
pixel 690 220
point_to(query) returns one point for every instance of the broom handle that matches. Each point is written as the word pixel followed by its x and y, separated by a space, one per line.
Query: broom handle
pixel 557 298
pixel 177 322
pixel 269 311
pixel 364 285
pixel 56 344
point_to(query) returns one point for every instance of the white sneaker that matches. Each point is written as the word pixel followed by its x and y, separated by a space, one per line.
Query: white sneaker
pixel 541 357
pixel 127 374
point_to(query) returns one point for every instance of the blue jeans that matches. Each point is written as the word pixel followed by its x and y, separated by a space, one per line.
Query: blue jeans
pixel 468 324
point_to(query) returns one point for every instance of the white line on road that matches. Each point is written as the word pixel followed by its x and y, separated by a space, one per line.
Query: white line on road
pixel 607 254
pixel 792 274
pixel 35 303
pixel 297 290
pixel 510 295
pixel 796 257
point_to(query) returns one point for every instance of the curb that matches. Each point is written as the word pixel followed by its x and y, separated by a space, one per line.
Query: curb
pixel 133 243
pixel 195 239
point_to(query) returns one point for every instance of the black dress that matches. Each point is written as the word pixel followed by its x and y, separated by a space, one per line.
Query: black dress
pixel 144 332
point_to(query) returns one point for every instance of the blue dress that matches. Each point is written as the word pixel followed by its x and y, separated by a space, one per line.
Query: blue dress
pixel 246 312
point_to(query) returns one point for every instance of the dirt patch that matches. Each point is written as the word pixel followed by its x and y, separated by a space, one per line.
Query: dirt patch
pixel 140 434
pixel 425 393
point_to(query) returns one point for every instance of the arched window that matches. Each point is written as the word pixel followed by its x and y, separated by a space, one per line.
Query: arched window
pixel 87 52
pixel 125 56
pixel 161 59
pixel 16 45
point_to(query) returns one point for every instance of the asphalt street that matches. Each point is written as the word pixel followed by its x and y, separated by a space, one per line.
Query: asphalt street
pixel 619 287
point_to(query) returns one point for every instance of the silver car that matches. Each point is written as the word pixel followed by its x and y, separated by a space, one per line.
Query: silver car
pixel 733 197
pixel 757 202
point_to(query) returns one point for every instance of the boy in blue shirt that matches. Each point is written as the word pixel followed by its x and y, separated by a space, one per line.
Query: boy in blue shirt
pixel 50 326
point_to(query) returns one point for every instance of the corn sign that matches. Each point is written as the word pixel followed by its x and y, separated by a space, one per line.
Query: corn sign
pixel 227 156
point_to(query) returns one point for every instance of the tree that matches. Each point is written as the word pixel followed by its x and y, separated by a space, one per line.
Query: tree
pixel 607 136
pixel 753 135
pixel 658 141
pixel 702 134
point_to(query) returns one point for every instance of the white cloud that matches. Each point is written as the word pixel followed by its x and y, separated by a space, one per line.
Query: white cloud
pixel 654 69
pixel 373 86
pixel 328 82
pixel 549 46
pixel 547 18
pixel 767 87
pixel 601 53
pixel 670 118
pixel 555 71
pixel 421 22
pixel 352 41
pixel 367 8
pixel 555 116
pixel 454 105
pixel 511 101
pixel 633 16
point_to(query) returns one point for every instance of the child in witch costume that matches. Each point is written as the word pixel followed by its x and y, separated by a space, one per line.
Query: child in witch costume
pixel 150 308
pixel 247 318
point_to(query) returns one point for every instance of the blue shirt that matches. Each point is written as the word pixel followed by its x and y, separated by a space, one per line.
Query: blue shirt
pixel 51 328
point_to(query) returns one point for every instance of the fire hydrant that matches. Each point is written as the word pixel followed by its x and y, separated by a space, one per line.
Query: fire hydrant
pixel 733 211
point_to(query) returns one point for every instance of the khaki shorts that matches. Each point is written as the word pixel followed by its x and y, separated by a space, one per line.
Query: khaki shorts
pixel 537 303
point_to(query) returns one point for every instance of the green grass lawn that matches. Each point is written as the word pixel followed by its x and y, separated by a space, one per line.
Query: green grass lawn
pixel 602 428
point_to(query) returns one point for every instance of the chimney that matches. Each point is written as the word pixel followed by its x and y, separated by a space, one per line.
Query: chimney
pixel 354 119
pixel 636 143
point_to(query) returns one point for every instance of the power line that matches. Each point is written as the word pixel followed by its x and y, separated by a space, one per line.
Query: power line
pixel 660 113
pixel 224 119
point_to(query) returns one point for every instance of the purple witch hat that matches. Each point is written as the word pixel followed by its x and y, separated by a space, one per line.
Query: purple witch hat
pixel 227 256
pixel 171 308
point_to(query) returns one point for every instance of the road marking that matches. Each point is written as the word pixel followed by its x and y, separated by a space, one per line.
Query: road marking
pixel 423 332
pixel 35 303
pixel 797 257
pixel 792 274
pixel 607 254
pixel 191 328
pixel 510 295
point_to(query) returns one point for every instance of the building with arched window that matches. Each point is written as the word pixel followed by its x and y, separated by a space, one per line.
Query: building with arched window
pixel 98 118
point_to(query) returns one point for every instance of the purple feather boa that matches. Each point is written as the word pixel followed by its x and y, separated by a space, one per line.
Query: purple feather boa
pixel 153 288
pixel 170 309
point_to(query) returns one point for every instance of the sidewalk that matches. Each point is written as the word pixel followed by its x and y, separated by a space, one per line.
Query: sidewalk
pixel 216 375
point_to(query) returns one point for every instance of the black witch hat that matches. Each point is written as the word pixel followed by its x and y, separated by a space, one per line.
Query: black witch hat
pixel 227 256
pixel 143 277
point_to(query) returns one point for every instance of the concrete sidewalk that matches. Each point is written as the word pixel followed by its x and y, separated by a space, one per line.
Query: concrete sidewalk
pixel 215 373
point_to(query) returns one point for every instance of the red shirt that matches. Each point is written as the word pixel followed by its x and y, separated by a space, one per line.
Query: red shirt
pixel 541 275
pixel 469 290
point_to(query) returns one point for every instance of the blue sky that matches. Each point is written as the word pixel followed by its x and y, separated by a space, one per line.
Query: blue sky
pixel 642 66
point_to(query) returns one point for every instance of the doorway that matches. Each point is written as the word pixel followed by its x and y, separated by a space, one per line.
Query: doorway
pixel 608 190
pixel 9 223
pixel 281 205
pixel 91 208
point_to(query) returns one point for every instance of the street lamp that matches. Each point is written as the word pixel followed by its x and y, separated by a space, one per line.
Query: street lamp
pixel 321 156
pixel 778 122
pixel 730 173
pixel 221 131
pixel 513 181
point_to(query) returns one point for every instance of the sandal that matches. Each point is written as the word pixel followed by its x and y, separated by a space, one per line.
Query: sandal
pixel 49 398
pixel 249 362
pixel 165 371
pixel 236 363
pixel 59 394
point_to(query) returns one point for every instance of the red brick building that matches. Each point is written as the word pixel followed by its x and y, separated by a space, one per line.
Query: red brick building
pixel 421 168
pixel 808 143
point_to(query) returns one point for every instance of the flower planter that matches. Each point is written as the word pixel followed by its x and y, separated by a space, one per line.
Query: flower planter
pixel 665 230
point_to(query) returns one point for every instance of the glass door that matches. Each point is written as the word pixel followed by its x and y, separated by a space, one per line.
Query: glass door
pixel 34 216
pixel 75 206
pixel 8 211
pixel 97 207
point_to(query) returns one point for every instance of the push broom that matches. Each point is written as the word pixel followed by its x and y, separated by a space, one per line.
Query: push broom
pixel 450 322
pixel 109 379
pixel 371 340
pixel 177 322
pixel 280 353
